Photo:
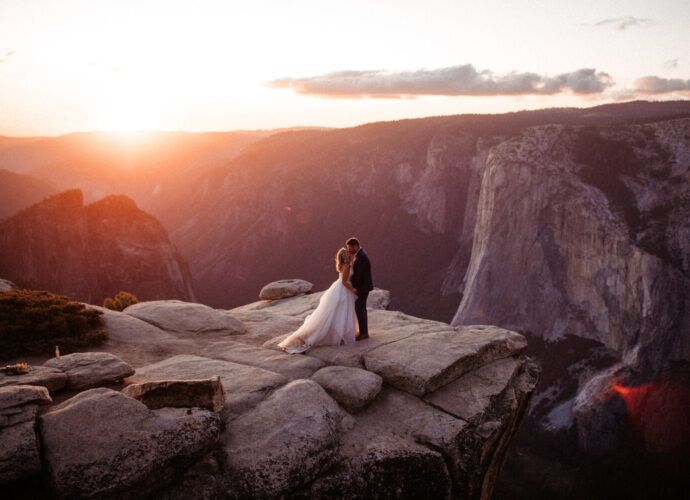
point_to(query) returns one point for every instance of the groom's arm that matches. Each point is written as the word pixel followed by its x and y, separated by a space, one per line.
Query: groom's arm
pixel 356 275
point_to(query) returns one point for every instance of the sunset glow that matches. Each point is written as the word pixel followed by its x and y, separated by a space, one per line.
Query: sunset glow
pixel 215 65
pixel 660 411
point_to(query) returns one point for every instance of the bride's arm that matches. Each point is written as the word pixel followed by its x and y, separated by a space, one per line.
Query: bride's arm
pixel 345 272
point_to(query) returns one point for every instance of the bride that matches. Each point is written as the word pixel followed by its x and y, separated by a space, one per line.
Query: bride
pixel 334 321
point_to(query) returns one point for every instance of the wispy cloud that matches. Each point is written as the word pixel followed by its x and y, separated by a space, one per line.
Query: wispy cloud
pixel 657 85
pixel 5 55
pixel 463 80
pixel 624 22
pixel 671 64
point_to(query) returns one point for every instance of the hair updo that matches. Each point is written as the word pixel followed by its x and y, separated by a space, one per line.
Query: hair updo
pixel 341 258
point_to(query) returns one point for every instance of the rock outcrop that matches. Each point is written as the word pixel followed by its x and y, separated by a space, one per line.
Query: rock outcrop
pixel 359 426
pixel 419 408
pixel 92 252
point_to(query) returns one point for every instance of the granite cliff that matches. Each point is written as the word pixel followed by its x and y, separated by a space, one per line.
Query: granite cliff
pixel 92 252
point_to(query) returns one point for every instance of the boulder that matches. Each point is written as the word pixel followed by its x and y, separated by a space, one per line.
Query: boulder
pixel 244 386
pixel 378 299
pixel 284 443
pixel 285 288
pixel 19 455
pixel 353 388
pixel 422 363
pixel 50 378
pixel 291 367
pixel 7 286
pixel 19 395
pixel 472 395
pixel 89 369
pixel 186 317
pixel 206 393
pixel 126 450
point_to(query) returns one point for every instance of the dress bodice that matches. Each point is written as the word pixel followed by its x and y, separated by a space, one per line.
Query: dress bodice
pixel 349 278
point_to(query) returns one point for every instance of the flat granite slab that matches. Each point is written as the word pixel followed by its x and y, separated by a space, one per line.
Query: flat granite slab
pixel 291 367
pixel 470 396
pixel 420 364
pixel 385 327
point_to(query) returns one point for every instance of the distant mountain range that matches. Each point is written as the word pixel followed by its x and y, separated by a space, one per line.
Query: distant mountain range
pixel 92 252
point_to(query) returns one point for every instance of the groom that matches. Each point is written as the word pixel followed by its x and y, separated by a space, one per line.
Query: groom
pixel 361 280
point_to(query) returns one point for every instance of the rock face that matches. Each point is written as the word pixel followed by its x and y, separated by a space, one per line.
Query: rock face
pixel 609 263
pixel 285 288
pixel 19 451
pixel 585 231
pixel 126 450
pixel 92 252
pixel 90 369
pixel 206 393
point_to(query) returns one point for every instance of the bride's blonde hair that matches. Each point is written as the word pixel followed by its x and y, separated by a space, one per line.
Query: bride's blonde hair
pixel 341 258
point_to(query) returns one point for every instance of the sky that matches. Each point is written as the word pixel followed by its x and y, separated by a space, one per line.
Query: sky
pixel 77 65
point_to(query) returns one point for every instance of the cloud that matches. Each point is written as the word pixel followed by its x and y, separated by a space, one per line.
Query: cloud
pixel 451 81
pixel 656 85
pixel 5 55
pixel 671 64
pixel 624 22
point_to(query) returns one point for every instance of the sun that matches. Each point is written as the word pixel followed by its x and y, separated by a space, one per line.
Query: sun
pixel 128 112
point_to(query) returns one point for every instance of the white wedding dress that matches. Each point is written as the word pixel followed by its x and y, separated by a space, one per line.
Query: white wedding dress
pixel 333 322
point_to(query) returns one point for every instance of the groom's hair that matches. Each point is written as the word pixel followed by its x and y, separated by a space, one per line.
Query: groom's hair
pixel 352 242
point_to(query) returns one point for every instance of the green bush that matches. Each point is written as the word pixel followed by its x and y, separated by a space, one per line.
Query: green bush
pixel 121 301
pixel 33 323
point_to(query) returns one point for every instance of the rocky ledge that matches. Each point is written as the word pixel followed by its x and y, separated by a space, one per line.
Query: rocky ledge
pixel 420 409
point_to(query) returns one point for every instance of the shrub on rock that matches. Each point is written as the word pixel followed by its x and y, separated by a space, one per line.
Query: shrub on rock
pixel 34 322
pixel 120 301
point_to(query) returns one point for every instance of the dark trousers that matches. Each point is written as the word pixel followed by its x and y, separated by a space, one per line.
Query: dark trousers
pixel 361 312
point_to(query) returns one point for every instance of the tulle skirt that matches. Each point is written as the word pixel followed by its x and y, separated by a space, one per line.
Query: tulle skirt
pixel 333 322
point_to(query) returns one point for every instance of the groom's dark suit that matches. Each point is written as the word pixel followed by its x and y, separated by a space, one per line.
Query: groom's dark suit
pixel 362 281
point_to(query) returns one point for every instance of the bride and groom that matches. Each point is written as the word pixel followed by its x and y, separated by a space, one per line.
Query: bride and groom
pixel 333 321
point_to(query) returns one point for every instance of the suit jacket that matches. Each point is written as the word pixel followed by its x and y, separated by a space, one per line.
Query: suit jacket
pixel 361 277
